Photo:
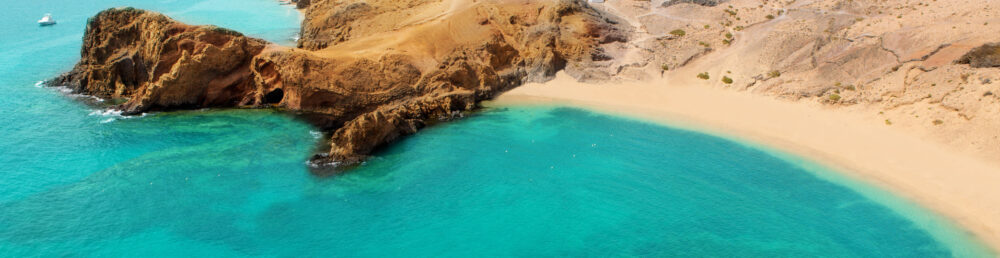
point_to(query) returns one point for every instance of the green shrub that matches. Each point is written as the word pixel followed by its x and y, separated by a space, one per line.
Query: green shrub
pixel 774 74
pixel 769 17
pixel 678 32
pixel 938 122
pixel 729 35
pixel 834 97
pixel 727 80
pixel 703 76
pixel 665 67
pixel 704 44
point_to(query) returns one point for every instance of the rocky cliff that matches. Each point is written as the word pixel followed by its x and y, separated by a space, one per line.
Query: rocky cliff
pixel 367 71
pixel 160 64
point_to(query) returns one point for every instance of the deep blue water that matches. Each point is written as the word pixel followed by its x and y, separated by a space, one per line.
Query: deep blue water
pixel 518 181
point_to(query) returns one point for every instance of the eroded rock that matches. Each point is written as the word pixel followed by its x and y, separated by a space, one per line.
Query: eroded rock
pixel 161 64
pixel 367 71
pixel 987 55
pixel 697 2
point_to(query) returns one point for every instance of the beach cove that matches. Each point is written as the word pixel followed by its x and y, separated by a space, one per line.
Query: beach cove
pixel 957 184
pixel 513 179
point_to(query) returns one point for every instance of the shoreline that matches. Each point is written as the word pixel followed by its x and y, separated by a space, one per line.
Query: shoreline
pixel 852 142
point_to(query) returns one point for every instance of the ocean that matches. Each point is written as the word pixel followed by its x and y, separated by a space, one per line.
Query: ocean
pixel 79 180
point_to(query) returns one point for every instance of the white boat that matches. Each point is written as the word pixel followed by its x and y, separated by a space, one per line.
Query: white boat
pixel 47 20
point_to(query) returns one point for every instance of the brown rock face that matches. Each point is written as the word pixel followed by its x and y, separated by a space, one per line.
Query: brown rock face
pixel 987 55
pixel 160 64
pixel 369 71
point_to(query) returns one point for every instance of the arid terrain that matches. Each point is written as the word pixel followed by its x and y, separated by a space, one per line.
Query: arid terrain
pixel 844 78
pixel 898 59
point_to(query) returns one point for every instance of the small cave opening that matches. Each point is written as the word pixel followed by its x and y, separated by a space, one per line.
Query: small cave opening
pixel 274 97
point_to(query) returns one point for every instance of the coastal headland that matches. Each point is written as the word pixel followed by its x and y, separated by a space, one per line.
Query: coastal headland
pixel 368 72
pixel 899 93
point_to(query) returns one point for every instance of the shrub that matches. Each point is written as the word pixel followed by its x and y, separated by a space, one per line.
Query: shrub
pixel 665 67
pixel 834 97
pixel 774 74
pixel 887 122
pixel 704 44
pixel 727 80
pixel 706 26
pixel 938 122
pixel 678 32
pixel 703 76
pixel 727 42
pixel 729 35
pixel 769 17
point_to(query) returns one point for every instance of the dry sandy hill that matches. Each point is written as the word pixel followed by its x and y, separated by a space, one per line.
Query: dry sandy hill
pixel 896 58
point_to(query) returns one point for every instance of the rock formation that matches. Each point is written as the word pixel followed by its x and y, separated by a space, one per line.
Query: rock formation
pixel 708 3
pixel 160 64
pixel 927 66
pixel 985 56
pixel 368 71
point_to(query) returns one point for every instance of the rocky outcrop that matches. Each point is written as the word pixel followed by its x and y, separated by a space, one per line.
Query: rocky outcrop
pixel 709 3
pixel 367 71
pixel 987 55
pixel 160 64
pixel 301 4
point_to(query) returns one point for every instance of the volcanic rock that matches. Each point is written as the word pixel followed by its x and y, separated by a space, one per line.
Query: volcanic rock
pixel 368 71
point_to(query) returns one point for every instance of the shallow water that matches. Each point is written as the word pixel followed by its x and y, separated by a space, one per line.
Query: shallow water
pixel 524 181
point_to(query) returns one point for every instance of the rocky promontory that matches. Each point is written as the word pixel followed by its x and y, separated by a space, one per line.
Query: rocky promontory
pixel 369 72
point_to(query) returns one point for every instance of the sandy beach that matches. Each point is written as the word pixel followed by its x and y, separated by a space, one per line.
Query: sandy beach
pixel 956 184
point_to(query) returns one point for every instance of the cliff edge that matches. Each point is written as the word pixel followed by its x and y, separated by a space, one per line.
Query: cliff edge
pixel 369 72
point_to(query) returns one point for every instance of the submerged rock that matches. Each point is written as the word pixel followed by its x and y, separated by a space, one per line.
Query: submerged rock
pixel 368 71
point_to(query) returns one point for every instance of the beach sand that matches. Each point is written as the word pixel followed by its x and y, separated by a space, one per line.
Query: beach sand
pixel 950 181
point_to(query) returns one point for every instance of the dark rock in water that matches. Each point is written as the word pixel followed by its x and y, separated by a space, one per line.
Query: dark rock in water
pixel 301 4
pixel 360 73
pixel 697 2
pixel 987 55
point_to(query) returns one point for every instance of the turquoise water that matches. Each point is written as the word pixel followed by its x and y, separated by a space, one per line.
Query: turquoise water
pixel 524 181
